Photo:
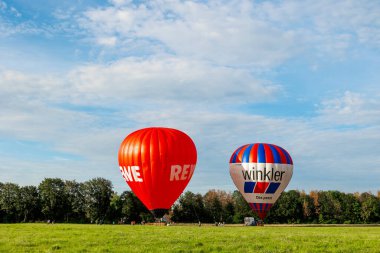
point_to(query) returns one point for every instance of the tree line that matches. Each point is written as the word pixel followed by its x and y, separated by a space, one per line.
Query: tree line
pixel 94 201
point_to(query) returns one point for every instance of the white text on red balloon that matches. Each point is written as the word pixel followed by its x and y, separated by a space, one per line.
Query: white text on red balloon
pixel 178 172
pixel 131 173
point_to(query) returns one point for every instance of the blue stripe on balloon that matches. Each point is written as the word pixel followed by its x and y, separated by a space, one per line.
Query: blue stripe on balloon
pixel 236 154
pixel 286 155
pixel 261 154
pixel 246 154
pixel 276 155
pixel 272 188
pixel 249 186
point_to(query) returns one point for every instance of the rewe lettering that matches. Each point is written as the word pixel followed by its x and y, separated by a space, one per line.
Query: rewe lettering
pixel 131 173
pixel 178 172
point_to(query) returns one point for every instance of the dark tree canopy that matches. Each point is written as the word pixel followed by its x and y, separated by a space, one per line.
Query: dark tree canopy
pixel 53 198
pixel 94 201
pixel 97 196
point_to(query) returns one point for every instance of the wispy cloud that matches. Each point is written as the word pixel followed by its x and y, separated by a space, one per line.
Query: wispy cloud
pixel 216 32
pixel 263 34
pixel 166 79
pixel 352 109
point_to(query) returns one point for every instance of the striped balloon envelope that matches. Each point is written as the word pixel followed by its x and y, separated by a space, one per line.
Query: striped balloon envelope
pixel 261 172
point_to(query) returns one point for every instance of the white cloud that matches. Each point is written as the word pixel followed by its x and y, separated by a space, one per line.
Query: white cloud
pixel 11 24
pixel 263 34
pixel 107 41
pixel 168 79
pixel 17 85
pixel 223 34
pixel 8 28
pixel 325 157
pixel 351 109
pixel 15 12
pixel 33 106
pixel 324 18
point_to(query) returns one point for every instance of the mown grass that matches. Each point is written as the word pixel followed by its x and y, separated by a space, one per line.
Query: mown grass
pixel 123 238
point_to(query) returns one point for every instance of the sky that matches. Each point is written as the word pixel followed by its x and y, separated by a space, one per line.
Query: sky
pixel 76 77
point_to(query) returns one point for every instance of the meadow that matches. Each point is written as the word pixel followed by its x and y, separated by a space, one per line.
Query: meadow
pixel 127 238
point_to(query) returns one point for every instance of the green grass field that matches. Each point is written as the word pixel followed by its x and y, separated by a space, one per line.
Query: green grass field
pixel 126 238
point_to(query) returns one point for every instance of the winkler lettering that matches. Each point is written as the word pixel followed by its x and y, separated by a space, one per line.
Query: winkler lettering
pixel 263 175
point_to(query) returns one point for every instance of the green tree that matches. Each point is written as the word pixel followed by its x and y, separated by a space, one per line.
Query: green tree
pixel 10 202
pixel 241 208
pixel 53 198
pixel 330 205
pixel 370 208
pixel 30 207
pixel 97 192
pixel 287 209
pixel 133 209
pixel 229 211
pixel 74 192
pixel 2 214
pixel 213 205
pixel 350 209
pixel 189 208
pixel 116 207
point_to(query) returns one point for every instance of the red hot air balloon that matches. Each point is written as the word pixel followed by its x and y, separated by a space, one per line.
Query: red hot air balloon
pixel 157 163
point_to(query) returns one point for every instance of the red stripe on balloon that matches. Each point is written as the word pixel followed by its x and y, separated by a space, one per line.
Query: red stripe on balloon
pixel 282 155
pixel 239 158
pixel 261 187
pixel 268 154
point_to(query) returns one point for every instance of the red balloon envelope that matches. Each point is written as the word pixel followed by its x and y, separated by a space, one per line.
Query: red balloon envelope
pixel 157 163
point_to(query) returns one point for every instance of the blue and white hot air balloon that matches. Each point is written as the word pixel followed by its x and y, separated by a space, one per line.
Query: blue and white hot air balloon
pixel 261 172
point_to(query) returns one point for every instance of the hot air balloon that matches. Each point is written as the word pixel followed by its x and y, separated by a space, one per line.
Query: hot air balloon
pixel 157 163
pixel 261 172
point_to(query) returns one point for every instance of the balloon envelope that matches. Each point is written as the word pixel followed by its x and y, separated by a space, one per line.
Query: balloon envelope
pixel 261 172
pixel 157 163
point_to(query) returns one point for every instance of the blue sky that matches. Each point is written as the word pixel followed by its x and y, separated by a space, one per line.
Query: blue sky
pixel 77 77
